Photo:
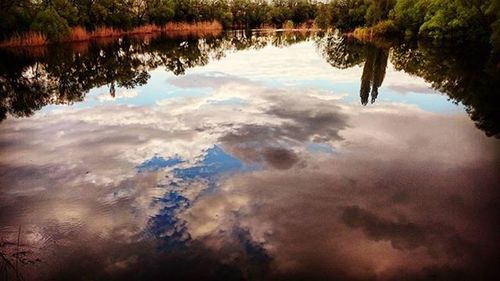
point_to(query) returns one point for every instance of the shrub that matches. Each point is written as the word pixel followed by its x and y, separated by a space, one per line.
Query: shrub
pixel 409 15
pixel 162 12
pixel 455 20
pixel 494 11
pixel 53 26
pixel 347 15
pixel 226 19
pixel 324 16
pixel 385 27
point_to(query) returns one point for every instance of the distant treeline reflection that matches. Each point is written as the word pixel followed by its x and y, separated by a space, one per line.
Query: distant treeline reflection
pixel 32 78
pixel 64 74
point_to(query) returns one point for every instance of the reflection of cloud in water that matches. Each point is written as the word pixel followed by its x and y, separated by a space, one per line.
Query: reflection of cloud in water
pixel 338 217
pixel 235 189
pixel 206 80
pixel 411 88
pixel 127 94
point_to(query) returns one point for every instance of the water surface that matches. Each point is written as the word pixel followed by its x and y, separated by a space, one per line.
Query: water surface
pixel 249 156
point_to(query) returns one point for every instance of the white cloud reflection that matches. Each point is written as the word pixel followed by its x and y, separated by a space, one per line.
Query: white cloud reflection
pixel 126 94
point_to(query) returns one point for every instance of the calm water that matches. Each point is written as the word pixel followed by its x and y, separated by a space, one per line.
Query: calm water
pixel 264 156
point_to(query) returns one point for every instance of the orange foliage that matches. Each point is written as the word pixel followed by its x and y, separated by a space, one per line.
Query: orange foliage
pixel 145 29
pixel 194 29
pixel 79 33
pixel 27 39
pixel 106 32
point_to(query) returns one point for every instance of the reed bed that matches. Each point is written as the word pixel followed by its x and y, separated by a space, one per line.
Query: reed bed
pixel 101 32
pixel 145 29
pixel 79 34
pixel 198 29
pixel 29 39
pixel 308 26
pixel 197 26
pixel 289 26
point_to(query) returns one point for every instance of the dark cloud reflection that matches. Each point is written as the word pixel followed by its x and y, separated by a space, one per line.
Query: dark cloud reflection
pixel 280 158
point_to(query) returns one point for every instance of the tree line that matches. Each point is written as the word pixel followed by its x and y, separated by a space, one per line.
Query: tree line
pixel 57 16
pixel 449 20
pixel 438 20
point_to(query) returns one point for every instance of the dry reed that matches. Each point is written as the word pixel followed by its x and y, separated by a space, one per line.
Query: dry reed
pixel 79 33
pixel 198 29
pixel 197 26
pixel 101 32
pixel 29 39
pixel 145 29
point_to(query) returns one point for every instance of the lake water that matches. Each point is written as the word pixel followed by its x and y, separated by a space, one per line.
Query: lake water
pixel 249 156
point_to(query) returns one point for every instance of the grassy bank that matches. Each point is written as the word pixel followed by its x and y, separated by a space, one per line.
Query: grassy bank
pixel 79 34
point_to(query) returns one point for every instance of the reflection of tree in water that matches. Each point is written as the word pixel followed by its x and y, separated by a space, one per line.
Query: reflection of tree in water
pixel 470 78
pixel 373 73
pixel 62 75
pixel 342 52
pixel 467 77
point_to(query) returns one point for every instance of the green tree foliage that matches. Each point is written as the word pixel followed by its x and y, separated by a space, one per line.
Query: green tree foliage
pixel 111 13
pixel 349 14
pixel 302 11
pixel 323 16
pixel 19 15
pixel 250 14
pixel 378 10
pixel 15 16
pixel 50 23
pixel 221 12
pixel 160 11
pixel 409 15
pixel 494 10
pixel 457 20
pixel 451 20
pixel 67 10
pixel 280 12
pixel 440 20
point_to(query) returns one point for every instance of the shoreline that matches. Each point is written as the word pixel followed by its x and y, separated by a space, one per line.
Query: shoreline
pixel 79 34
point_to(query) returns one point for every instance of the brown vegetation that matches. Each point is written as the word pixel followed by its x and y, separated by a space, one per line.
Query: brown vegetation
pixel 29 39
pixel 78 33
pixel 289 26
